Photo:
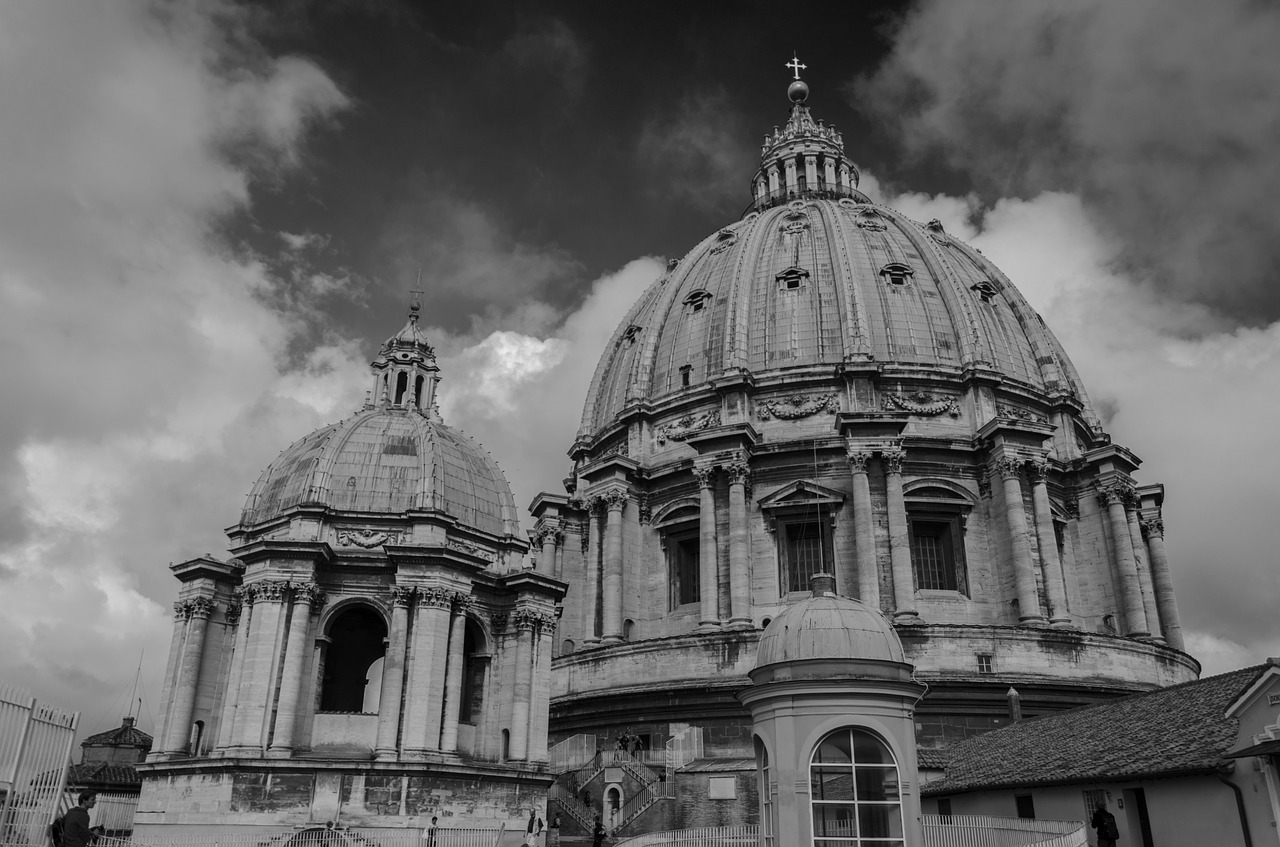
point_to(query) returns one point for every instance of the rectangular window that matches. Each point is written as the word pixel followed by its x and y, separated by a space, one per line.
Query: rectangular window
pixel 1026 807
pixel 944 807
pixel 682 563
pixel 933 554
pixel 1092 800
pixel 985 664
pixel 807 551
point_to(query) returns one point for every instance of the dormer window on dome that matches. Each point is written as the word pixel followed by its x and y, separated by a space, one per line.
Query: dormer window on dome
pixel 697 300
pixel 896 273
pixel 984 289
pixel 792 279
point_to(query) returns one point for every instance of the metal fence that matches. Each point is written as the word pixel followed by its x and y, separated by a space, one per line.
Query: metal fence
pixel 35 749
pixel 988 831
pixel 325 837
pixel 572 753
pixel 710 836
pixel 113 812
pixel 684 747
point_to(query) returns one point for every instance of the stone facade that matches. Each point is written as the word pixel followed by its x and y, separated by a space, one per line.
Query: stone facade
pixel 828 385
pixel 375 650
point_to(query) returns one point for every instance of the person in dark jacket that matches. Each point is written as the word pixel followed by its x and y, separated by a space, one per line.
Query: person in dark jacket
pixel 75 823
pixel 597 833
pixel 1105 823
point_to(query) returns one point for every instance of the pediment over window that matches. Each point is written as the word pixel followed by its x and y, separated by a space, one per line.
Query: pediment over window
pixel 800 493
pixel 939 491
pixel 678 511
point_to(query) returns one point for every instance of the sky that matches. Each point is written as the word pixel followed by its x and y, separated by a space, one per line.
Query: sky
pixel 211 213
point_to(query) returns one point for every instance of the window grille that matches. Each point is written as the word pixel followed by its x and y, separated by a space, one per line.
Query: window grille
pixel 855 792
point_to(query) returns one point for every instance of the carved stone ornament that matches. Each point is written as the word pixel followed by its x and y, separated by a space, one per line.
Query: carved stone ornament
pixel 1016 413
pixel 737 471
pixel 870 220
pixel 181 610
pixel 1116 492
pixel 617 448
pixel 616 499
pixel 858 459
pixel 725 239
pixel 272 590
pixel 705 475
pixel 525 620
pixel 922 403
pixel 1153 527
pixel 366 538
pixel 797 406
pixel 468 547
pixel 1008 467
pixel 893 459
pixel 436 598
pixel 629 334
pixel 936 232
pixel 401 596
pixel 984 483
pixel 644 509
pixel 1038 468
pixel 201 607
pixel 682 428
pixel 234 610
pixel 310 594
pixel 795 227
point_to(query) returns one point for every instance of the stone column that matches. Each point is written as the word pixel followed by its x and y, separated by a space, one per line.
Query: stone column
pixel 1163 583
pixel 595 508
pixel 904 594
pixel 393 666
pixel 829 171
pixel 178 729
pixel 844 175
pixel 1015 515
pixel 559 539
pixel 1135 616
pixel 1144 572
pixel 423 712
pixel 775 178
pixel 792 181
pixel 453 674
pixel 540 688
pixel 1050 562
pixel 519 744
pixel 295 665
pixel 174 663
pixel 708 589
pixel 547 558
pixel 739 545
pixel 615 502
pixel 260 664
pixel 864 530
pixel 239 613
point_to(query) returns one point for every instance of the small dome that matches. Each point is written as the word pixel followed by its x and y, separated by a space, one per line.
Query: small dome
pixel 388 460
pixel 827 626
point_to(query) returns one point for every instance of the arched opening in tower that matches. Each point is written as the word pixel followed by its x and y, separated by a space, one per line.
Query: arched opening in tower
pixel 417 392
pixel 474 661
pixel 402 385
pixel 356 639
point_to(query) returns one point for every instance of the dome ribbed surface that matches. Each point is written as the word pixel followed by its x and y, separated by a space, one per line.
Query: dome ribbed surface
pixel 816 283
pixel 387 461
pixel 828 627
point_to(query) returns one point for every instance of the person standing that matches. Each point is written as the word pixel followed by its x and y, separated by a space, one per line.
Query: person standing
pixel 597 833
pixel 553 837
pixel 1105 823
pixel 431 831
pixel 75 823
pixel 533 829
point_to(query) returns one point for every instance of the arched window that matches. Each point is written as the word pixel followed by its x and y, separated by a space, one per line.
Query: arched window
pixel 356 639
pixel 855 792
pixel 417 392
pixel 402 385
pixel 766 795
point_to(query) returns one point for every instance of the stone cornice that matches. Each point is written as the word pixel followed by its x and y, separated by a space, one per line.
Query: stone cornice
pixel 532 582
pixel 317 552
pixel 209 568
pixel 402 555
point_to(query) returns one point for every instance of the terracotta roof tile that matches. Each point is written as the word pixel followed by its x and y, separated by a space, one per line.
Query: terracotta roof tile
pixel 1179 729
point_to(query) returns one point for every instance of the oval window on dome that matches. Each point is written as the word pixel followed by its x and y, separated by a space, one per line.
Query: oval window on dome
pixel 697 301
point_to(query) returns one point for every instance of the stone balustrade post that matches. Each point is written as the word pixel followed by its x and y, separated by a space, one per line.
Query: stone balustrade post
pixel 904 594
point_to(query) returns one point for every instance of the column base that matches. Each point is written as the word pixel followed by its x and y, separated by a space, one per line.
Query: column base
pixel 280 753
pixel 911 618
pixel 386 755
pixel 739 624
pixel 1138 634
pixel 709 626
pixel 242 752
pixel 591 641
pixel 1061 623
pixel 611 639
pixel 1037 621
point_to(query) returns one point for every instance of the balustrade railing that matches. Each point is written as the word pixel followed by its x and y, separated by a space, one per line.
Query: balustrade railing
pixel 684 747
pixel 571 753
pixel 989 831
pixel 323 837
pixel 714 836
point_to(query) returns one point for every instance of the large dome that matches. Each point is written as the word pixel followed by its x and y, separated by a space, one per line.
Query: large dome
pixel 816 283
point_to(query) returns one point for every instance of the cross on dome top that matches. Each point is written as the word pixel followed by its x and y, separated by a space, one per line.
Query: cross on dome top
pixel 796 65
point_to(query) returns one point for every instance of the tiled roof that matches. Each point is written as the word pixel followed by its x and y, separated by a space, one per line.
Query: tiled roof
pixel 932 758
pixel 103 773
pixel 121 736
pixel 1174 730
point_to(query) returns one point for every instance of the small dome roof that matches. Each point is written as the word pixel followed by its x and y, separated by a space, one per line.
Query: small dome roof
pixel 384 460
pixel 827 626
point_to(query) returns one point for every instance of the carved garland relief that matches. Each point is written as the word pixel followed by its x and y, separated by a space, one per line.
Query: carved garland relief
pixel 922 403
pixel 683 427
pixel 797 406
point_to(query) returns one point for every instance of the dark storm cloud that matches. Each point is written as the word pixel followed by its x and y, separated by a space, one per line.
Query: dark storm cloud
pixel 552 45
pixel 1164 116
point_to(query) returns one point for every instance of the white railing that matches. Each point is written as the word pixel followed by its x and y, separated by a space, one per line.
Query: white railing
pixel 709 836
pixel 684 747
pixel 35 750
pixel 321 837
pixel 572 753
pixel 988 831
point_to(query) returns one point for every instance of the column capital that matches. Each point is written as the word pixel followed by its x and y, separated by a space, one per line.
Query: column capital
pixel 1152 527
pixel 737 471
pixel 200 607
pixel 460 602
pixel 1114 492
pixel 182 609
pixel 705 475
pixel 858 459
pixel 616 500
pixel 435 598
pixel 526 620
pixel 235 608
pixel 893 457
pixel 401 596
pixel 595 506
pixel 271 590
pixel 309 594
pixel 1038 468
pixel 1008 467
